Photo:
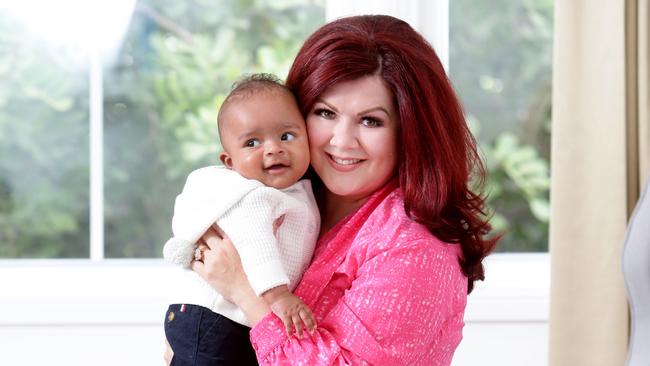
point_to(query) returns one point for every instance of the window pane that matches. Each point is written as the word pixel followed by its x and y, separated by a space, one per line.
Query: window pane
pixel 44 204
pixel 500 63
pixel 162 92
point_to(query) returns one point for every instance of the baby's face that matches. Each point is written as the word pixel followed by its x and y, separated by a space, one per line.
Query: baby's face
pixel 264 138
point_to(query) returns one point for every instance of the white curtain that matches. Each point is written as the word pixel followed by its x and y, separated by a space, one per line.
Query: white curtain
pixel 600 158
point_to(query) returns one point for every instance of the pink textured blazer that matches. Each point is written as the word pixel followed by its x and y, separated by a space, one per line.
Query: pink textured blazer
pixel 384 291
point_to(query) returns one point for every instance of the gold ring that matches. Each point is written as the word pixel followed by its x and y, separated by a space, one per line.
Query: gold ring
pixel 198 254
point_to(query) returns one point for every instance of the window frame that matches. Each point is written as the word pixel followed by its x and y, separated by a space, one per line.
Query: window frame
pixel 135 291
pixel 436 30
pixel 517 286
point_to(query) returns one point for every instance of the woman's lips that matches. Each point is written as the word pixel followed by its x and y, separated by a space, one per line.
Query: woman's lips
pixel 343 164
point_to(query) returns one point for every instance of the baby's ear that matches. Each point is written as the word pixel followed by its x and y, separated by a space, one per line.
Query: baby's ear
pixel 225 159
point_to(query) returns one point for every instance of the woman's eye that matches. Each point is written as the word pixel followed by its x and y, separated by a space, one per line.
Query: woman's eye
pixel 371 122
pixel 252 143
pixel 287 136
pixel 325 113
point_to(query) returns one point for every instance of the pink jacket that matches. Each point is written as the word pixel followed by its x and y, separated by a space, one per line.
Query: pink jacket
pixel 384 291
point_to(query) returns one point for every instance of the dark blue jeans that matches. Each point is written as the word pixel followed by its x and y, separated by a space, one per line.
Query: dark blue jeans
pixel 200 337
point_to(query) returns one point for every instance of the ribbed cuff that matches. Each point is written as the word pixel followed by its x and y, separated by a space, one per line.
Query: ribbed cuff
pixel 266 276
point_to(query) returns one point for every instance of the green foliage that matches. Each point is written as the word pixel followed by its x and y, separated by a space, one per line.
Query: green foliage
pixel 161 94
pixel 164 86
pixel 518 175
pixel 500 57
pixel 177 65
pixel 43 148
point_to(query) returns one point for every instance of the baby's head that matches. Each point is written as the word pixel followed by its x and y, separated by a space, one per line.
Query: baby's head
pixel 263 133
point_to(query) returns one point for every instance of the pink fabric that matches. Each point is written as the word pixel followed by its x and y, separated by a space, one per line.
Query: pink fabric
pixel 384 291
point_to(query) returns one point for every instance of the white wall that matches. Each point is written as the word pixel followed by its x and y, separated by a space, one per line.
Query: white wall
pixel 506 319
pixel 82 312
pixel 110 313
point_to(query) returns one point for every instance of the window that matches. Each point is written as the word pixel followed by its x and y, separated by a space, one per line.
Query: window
pixel 161 71
pixel 498 56
pixel 95 142
pixel 105 112
pixel 500 64
pixel 44 169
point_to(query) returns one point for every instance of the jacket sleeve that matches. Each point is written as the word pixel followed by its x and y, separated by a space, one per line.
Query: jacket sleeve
pixel 403 305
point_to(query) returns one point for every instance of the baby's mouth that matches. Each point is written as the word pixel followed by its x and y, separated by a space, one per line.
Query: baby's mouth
pixel 273 168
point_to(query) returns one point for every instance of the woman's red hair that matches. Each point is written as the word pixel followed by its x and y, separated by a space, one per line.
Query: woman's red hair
pixel 436 165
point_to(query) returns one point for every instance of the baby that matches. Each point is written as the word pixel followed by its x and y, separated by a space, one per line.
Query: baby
pixel 259 201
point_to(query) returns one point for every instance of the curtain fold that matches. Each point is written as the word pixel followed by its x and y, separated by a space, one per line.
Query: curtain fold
pixel 600 157
pixel 643 66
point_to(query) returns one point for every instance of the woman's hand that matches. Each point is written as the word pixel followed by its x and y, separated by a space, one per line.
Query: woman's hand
pixel 221 267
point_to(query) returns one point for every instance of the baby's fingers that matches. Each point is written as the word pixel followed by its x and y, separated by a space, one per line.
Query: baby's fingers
pixel 308 318
pixel 297 323
pixel 288 323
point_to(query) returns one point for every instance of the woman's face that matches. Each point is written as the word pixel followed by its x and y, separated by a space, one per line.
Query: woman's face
pixel 352 131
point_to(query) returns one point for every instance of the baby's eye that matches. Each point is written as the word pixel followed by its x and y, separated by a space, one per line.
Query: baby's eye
pixel 325 113
pixel 287 136
pixel 371 122
pixel 252 143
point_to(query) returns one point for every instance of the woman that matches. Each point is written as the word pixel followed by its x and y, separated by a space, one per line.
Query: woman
pixel 402 234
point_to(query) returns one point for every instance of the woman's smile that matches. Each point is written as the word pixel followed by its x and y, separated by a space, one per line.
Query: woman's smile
pixel 344 164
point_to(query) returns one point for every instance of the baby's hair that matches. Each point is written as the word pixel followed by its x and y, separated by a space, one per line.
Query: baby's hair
pixel 248 85
pixel 255 82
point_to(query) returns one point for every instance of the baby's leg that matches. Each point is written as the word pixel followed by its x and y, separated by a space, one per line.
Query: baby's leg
pixel 199 336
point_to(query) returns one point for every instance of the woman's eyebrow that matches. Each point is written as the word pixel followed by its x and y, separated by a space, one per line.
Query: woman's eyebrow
pixel 319 100
pixel 372 109
pixel 377 108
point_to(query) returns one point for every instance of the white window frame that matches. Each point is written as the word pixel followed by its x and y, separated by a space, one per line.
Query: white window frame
pixel 81 291
pixel 134 291
pixel 96 97
pixel 430 18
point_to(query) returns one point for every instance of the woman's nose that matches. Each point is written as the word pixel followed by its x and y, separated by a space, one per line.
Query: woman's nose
pixel 344 135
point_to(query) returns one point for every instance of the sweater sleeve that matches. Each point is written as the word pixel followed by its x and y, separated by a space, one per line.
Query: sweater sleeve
pixel 208 193
pixel 249 224
pixel 402 305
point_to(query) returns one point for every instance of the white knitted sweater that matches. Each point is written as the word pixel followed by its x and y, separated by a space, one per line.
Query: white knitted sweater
pixel 246 210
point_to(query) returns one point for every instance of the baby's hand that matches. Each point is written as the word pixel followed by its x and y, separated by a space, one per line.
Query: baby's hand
pixel 290 309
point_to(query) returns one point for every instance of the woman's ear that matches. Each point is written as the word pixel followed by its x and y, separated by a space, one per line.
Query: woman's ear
pixel 226 160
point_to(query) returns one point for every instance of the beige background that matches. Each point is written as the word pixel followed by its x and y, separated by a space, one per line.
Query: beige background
pixel 600 147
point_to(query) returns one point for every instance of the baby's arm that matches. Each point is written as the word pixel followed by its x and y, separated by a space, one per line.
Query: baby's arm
pixel 290 309
pixel 258 248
